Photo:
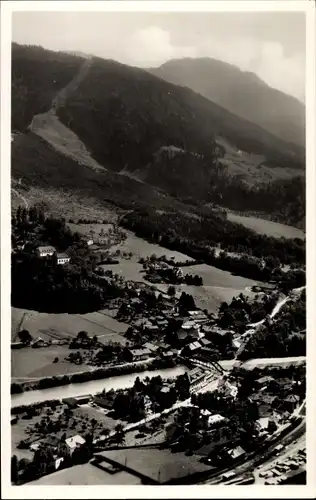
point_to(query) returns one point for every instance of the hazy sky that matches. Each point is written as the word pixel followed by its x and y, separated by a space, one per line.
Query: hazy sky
pixel 270 44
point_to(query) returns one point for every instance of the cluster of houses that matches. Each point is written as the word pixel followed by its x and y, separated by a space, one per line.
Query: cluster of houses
pixel 50 251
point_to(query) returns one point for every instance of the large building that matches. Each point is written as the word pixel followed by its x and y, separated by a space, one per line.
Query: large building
pixel 62 258
pixel 46 251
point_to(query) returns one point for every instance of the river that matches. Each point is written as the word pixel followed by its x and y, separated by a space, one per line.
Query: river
pixel 91 387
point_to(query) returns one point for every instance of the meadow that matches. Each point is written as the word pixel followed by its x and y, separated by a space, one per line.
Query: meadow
pixel 34 363
pixel 263 226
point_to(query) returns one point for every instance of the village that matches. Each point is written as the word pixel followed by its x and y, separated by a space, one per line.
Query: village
pixel 198 418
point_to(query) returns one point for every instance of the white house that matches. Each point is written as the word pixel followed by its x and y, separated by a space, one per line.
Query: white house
pixel 46 251
pixel 88 241
pixel 74 441
pixel 62 258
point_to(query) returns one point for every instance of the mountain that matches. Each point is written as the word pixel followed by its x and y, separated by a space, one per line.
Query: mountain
pixel 124 132
pixel 241 92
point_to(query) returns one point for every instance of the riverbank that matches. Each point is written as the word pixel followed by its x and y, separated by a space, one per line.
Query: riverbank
pixel 94 386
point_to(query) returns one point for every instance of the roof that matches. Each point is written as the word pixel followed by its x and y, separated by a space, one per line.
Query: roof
pixel 205 341
pixel 74 441
pixel 194 345
pixel 236 452
pixel 214 419
pixel 46 249
pixel 160 466
pixel 140 352
pixel 150 346
pixel 62 256
pixel 292 398
pixel 264 380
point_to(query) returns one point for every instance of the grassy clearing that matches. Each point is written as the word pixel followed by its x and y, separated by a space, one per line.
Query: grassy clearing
pixel 58 326
pixel 141 248
pixel 29 363
pixel 34 363
pixel 267 227
pixel 85 229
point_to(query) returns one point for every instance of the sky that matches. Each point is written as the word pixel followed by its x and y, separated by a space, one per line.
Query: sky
pixel 270 44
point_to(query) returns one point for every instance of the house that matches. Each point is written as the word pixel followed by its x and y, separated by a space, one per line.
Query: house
pixel 236 344
pixel 236 452
pixel 105 400
pixel 58 462
pixel 291 402
pixel 139 354
pixel 205 342
pixel 264 380
pixel 62 258
pixel 194 347
pixel 75 442
pixel 82 400
pixel 196 375
pixel 45 251
pixel 214 420
pixel 228 390
pixel 71 402
pixel 35 446
pixel 88 241
pixel 17 345
pixel 38 342
pixel 152 347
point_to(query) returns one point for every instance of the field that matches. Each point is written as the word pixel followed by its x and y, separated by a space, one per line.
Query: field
pixel 141 248
pixel 58 326
pixel 252 168
pixel 218 285
pixel 34 363
pixel 87 474
pixel 267 227
pixel 29 363
pixel 84 229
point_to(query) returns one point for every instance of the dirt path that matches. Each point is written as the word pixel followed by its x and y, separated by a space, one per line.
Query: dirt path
pixel 49 127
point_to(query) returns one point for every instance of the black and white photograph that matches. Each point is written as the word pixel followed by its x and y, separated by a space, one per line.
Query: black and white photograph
pixel 157 327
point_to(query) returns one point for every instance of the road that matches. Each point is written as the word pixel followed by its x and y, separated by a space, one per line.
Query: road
pixel 262 362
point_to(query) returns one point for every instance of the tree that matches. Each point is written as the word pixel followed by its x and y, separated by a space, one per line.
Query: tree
pixel 14 468
pixel 25 337
pixel 119 436
pixel 56 360
pixel 171 290
pixel 82 336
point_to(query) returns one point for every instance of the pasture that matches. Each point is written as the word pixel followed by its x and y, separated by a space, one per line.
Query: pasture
pixel 267 227
pixel 29 363
pixel 35 363
pixel 59 326
pixel 142 248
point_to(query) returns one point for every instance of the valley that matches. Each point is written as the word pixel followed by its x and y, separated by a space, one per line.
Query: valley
pixel 155 319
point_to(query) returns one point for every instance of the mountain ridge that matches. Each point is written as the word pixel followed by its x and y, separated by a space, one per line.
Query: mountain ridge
pixel 125 118
pixel 241 92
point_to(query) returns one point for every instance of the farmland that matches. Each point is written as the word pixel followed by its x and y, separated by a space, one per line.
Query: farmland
pixel 34 363
pixel 87 474
pixel 58 326
pixel 270 228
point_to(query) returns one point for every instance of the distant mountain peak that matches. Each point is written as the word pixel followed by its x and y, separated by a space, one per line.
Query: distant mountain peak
pixel 243 93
